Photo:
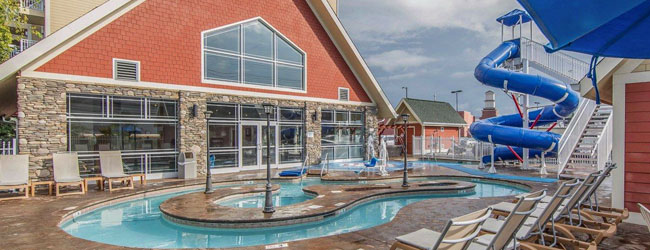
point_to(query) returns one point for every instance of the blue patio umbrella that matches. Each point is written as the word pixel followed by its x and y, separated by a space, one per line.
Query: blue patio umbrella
pixel 611 28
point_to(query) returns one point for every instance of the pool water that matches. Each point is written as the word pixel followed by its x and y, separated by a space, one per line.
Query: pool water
pixel 289 193
pixel 139 223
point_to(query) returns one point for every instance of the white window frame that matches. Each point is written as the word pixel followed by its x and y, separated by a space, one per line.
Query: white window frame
pixel 137 63
pixel 241 55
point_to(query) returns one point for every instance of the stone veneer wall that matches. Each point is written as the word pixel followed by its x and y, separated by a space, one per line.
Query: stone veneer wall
pixel 42 120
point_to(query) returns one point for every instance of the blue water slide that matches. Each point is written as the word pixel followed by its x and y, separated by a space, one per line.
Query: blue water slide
pixel 508 129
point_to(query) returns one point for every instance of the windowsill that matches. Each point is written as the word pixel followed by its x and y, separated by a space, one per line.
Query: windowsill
pixel 251 86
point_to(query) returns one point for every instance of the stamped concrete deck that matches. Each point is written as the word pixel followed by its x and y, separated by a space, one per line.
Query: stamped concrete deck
pixel 32 223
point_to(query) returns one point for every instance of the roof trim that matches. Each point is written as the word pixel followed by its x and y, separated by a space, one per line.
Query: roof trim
pixel 407 106
pixel 441 124
pixel 341 39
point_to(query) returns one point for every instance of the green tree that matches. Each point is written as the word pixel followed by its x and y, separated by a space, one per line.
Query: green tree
pixel 12 26
pixel 7 130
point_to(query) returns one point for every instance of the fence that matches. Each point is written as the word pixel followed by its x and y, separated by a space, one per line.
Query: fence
pixel 8 147
pixel 451 148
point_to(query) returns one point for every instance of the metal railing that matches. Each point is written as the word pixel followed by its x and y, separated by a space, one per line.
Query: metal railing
pixel 8 147
pixel 604 144
pixel 573 132
pixel 26 43
pixel 562 64
pixel 327 166
pixel 33 4
pixel 306 164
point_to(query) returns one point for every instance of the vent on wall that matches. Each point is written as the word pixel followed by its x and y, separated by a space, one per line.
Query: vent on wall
pixel 126 70
pixel 344 94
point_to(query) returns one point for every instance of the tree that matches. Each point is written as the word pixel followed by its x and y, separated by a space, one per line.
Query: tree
pixel 12 26
pixel 7 130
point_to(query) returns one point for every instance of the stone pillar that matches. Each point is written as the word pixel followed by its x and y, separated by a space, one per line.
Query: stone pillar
pixel 41 123
pixel 193 130
pixel 313 145
pixel 371 128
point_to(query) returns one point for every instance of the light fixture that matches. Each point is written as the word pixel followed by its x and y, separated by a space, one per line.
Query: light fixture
pixel 268 108
pixel 405 117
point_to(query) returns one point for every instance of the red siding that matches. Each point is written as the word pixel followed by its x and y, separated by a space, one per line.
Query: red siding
pixel 637 145
pixel 416 129
pixel 165 36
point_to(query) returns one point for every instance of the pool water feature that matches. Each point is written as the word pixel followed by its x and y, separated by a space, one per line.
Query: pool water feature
pixel 139 223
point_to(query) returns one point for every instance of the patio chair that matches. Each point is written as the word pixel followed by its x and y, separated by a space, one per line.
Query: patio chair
pixel 458 233
pixel 113 169
pixel 534 227
pixel 506 233
pixel 646 214
pixel 66 173
pixel 367 165
pixel 592 209
pixel 14 174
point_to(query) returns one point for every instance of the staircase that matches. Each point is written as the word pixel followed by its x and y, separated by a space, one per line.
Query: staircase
pixel 595 137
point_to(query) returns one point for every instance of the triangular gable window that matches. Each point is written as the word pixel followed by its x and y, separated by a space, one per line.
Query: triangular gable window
pixel 252 52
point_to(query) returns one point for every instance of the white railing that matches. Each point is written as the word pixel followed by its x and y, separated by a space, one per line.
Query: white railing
pixel 32 4
pixel 604 144
pixel 573 132
pixel 560 63
pixel 26 43
pixel 8 147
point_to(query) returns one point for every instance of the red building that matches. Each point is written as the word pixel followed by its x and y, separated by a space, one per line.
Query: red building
pixel 139 76
pixel 428 118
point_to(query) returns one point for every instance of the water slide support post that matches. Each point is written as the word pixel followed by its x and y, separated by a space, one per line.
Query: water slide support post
pixel 492 170
pixel 525 103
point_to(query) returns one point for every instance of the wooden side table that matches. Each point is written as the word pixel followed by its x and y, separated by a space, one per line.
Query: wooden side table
pixel 98 179
pixel 143 178
pixel 37 183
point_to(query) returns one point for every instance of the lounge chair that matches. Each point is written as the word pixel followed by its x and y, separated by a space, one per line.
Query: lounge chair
pixel 646 214
pixel 592 209
pixel 534 227
pixel 564 221
pixel 506 233
pixel 66 173
pixel 458 233
pixel 14 174
pixel 113 169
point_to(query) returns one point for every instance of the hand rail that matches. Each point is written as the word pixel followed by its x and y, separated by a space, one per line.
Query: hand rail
pixel 604 144
pixel 560 63
pixel 304 164
pixel 573 132
pixel 327 164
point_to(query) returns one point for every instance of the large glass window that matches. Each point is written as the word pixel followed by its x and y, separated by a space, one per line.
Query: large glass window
pixel 342 134
pixel 226 128
pixel 143 129
pixel 266 58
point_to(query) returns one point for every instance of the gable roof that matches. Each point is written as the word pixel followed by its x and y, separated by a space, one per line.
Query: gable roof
pixel 432 112
pixel 94 20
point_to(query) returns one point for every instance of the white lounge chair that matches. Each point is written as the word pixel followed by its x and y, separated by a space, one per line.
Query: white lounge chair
pixel 66 173
pixel 457 234
pixel 646 214
pixel 113 169
pixel 506 233
pixel 534 227
pixel 14 174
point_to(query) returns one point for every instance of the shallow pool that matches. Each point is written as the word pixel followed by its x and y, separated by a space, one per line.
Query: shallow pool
pixel 139 223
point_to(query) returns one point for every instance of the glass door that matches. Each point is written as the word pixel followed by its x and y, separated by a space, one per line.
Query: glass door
pixel 250 146
pixel 273 145
pixel 253 146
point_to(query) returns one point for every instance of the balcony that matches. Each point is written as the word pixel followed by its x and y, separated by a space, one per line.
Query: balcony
pixel 33 4
pixel 22 46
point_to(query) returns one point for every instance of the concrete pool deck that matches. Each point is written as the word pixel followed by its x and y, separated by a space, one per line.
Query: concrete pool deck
pixel 32 223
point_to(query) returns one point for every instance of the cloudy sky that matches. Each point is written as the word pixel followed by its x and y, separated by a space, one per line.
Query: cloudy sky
pixel 429 46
